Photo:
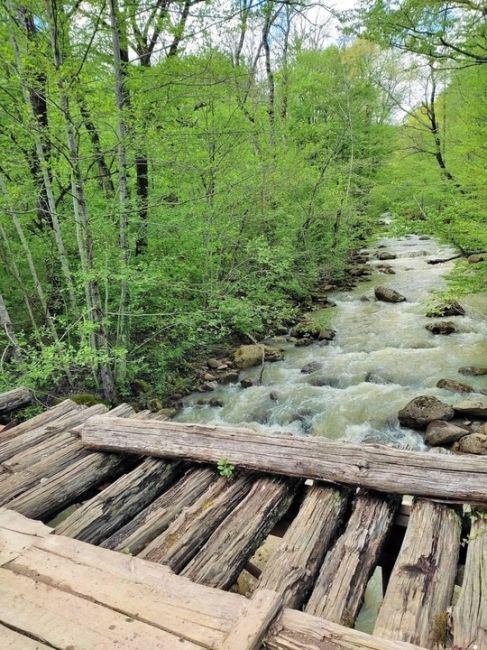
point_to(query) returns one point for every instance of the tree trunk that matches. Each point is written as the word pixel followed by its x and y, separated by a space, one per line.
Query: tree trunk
pixel 6 325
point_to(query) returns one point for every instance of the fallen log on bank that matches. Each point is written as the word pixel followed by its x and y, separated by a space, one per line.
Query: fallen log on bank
pixel 372 466
pixel 14 399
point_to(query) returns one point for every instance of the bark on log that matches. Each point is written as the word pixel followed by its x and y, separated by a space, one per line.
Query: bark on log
pixel 225 554
pixel 371 466
pixel 295 630
pixel 470 613
pixel 154 519
pixel 421 584
pixel 292 568
pixel 177 545
pixel 102 515
pixel 14 399
pixel 339 591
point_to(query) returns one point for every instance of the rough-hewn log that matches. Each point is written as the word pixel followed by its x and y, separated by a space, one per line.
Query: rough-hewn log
pixel 102 515
pixel 372 466
pixel 14 399
pixel 177 545
pixel 69 485
pixel 224 555
pixel 26 469
pixel 253 622
pixel 26 435
pixel 470 613
pixel 154 519
pixel 295 630
pixel 339 591
pixel 293 566
pixel 421 584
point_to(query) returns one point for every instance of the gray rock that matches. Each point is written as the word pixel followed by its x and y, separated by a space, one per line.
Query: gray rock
pixel 274 396
pixel 246 383
pixel 229 377
pixel 422 410
pixel 303 343
pixel 476 407
pixel 213 363
pixel 209 385
pixel 475 443
pixel 443 327
pixel 455 386
pixel 217 403
pixel 326 334
pixel 247 356
pixel 385 255
pixel 453 308
pixel 386 294
pixel 440 432
pixel 312 366
pixel 474 371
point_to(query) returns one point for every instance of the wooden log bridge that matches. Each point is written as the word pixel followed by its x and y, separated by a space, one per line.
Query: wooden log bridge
pixel 116 531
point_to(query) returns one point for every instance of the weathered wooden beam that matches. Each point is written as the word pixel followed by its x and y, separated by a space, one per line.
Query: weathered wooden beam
pixel 106 512
pixel 372 466
pixel 180 542
pixel 339 591
pixel 156 517
pixel 294 630
pixel 253 622
pixel 421 585
pixel 222 558
pixel 470 612
pixel 292 568
pixel 26 435
pixel 14 399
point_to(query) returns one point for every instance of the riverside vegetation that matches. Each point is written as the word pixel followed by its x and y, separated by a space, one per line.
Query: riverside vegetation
pixel 182 175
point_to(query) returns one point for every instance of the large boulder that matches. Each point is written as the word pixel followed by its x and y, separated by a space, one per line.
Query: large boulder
pixel 475 443
pixel 474 371
pixel 422 410
pixel 455 386
pixel 443 327
pixel 440 432
pixel 247 356
pixel 476 407
pixel 386 294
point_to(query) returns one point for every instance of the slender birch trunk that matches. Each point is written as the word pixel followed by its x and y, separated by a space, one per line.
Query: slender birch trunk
pixel 6 325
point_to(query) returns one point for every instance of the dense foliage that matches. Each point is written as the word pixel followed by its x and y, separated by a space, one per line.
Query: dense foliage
pixel 176 174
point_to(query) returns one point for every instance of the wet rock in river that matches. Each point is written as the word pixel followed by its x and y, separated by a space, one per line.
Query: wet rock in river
pixel 386 294
pixel 474 443
pixel 306 329
pixel 216 403
pixel 440 432
pixel 443 327
pixel 385 255
pixel 229 377
pixel 246 383
pixel 455 386
pixel 474 371
pixel 422 410
pixel 476 407
pixel 252 355
pixel 312 366
pixel 326 334
pixel 302 343
pixel 274 396
pixel 453 308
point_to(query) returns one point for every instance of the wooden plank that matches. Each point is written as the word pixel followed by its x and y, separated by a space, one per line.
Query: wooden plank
pixel 67 486
pixel 470 613
pixel 42 419
pixel 106 512
pixel 12 640
pixel 14 399
pixel 62 620
pixel 180 542
pixel 339 591
pixel 226 552
pixel 421 584
pixel 20 438
pixel 138 589
pixel 18 533
pixel 292 568
pixel 253 622
pixel 154 519
pixel 296 630
pixel 372 466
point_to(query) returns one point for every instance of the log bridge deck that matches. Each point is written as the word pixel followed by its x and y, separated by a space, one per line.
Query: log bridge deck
pixel 157 539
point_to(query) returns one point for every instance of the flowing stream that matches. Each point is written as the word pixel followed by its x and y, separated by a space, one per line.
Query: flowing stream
pixel 381 358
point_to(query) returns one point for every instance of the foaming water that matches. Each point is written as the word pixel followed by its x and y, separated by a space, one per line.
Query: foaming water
pixel 381 358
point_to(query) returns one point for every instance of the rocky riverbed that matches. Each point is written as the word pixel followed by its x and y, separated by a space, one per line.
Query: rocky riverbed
pixel 348 370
